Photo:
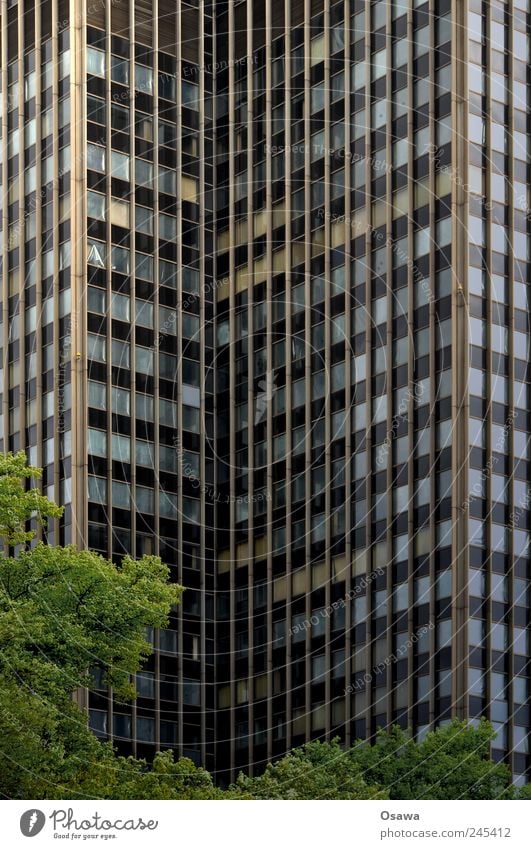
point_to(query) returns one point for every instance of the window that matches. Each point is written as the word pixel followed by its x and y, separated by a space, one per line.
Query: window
pixel 96 254
pixel 168 641
pixel 120 401
pixel 298 627
pixel 167 460
pixel 167 366
pixel 29 86
pixel 144 313
pixel 119 165
pixel 167 181
pixel 95 62
pixel 144 220
pixel 168 733
pixel 144 407
pixel 144 127
pixel 168 413
pixel 97 348
pixel 167 227
pixel 168 506
pixel 145 684
pixel 64 256
pixel 317 97
pixel 119 117
pixel 97 489
pixel 143 79
pixel 191 419
pixel 167 273
pixel 120 259
pixel 30 133
pixel 98 721
pixel 95 157
pixel 379 64
pixel 145 453
pixel 144 498
pixel 143 173
pixel 190 280
pixel 145 729
pixel 121 725
pixel 167 134
pixel 191 372
pixel 97 395
pixel 121 448
pixel 317 49
pixel 168 321
pixel 191 510
pixel 144 266
pixel 190 95
pixel 120 354
pixel 121 495
pixel 96 206
pixel 318 668
pixel 120 213
pixel 191 692
pixel 119 70
pixel 97 442
pixel 144 360
pixel 167 86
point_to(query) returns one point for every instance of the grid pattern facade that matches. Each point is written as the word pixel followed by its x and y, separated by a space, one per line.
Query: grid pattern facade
pixel 498 298
pixel 149 343
pixel 265 312
pixel 107 219
pixel 359 577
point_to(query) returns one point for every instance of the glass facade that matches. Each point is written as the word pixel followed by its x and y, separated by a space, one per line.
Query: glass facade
pixel 149 344
pixel 265 313
pixel 498 287
pixel 364 577
pixel 107 347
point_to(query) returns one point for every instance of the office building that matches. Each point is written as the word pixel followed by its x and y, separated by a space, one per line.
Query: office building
pixel 373 413
pixel 108 315
pixel 265 312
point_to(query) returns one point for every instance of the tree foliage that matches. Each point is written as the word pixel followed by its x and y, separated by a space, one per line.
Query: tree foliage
pixel 17 503
pixel 63 611
pixel 452 762
pixel 313 771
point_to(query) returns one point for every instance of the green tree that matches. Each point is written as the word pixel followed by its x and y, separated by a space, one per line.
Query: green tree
pixel 63 611
pixel 17 503
pixel 523 792
pixel 314 771
pixel 452 762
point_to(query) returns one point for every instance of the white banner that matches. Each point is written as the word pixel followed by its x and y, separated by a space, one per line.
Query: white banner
pixel 263 825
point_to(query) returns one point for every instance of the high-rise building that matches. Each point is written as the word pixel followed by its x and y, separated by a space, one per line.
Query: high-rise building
pixel 265 311
pixel 107 259
pixel 373 346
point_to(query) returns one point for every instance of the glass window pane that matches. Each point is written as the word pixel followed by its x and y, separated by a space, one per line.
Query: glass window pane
pixel 96 206
pixel 97 395
pixel 144 313
pixel 120 165
pixel 95 62
pixel 119 70
pixel 143 79
pixel 120 259
pixel 95 157
pixel 144 220
pixel 190 93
